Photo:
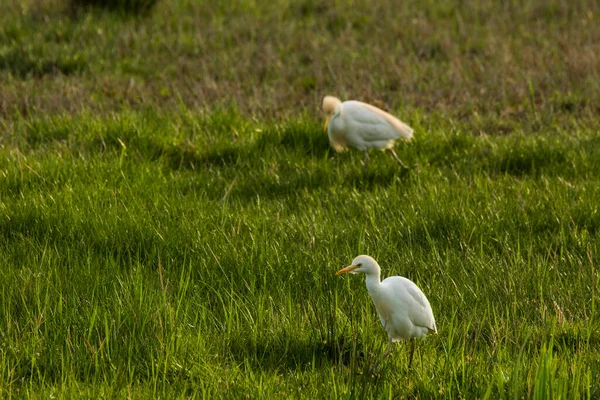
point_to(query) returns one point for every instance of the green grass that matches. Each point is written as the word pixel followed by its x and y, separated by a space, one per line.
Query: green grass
pixel 172 217
pixel 472 60
pixel 194 255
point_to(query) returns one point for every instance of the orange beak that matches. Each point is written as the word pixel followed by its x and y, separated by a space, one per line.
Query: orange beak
pixel 346 270
pixel 326 123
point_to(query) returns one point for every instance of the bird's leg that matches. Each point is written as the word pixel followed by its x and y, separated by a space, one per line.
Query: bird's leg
pixel 412 351
pixel 393 153
pixel 387 353
pixel 366 160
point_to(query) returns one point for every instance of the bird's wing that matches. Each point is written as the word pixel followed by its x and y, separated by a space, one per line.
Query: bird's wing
pixel 420 312
pixel 368 115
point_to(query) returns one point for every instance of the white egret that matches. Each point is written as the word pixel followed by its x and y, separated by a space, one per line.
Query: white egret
pixel 362 126
pixel 403 309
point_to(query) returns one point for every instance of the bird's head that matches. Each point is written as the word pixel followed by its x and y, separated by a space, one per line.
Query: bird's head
pixel 331 106
pixel 365 264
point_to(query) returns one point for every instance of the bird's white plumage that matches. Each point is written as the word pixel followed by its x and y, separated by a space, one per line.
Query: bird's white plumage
pixel 403 309
pixel 362 126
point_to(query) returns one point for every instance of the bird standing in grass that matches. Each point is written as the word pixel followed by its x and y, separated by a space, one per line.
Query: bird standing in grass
pixel 403 309
pixel 363 126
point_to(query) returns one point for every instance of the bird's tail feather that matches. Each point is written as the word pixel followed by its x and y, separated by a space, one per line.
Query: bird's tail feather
pixel 405 131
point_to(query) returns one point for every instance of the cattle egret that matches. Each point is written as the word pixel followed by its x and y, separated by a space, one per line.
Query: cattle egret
pixel 403 309
pixel 362 126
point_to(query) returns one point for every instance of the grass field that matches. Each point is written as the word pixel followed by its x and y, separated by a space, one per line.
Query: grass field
pixel 172 217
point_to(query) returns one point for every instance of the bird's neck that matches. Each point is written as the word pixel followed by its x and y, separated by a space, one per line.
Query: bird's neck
pixel 373 281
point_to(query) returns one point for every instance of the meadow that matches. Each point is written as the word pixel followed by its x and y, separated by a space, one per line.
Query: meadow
pixel 172 216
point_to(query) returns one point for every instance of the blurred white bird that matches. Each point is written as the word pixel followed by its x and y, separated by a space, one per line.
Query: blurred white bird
pixel 362 126
pixel 403 309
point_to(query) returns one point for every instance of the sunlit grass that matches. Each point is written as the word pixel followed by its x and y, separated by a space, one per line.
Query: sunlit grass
pixel 171 214
pixel 194 255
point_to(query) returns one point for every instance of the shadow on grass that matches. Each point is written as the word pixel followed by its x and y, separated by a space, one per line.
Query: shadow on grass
pixel 291 353
pixel 572 340
pixel 531 161
pixel 373 177
pixel 436 229
pixel 24 64
pixel 133 8
pixel 295 138
pixel 272 188
pixel 291 181
pixel 221 152
pixel 29 231
pixel 292 140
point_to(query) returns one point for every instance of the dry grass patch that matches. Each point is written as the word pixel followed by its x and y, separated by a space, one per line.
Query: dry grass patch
pixel 466 60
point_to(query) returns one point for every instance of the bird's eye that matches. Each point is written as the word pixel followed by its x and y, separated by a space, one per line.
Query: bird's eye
pixel 359 264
